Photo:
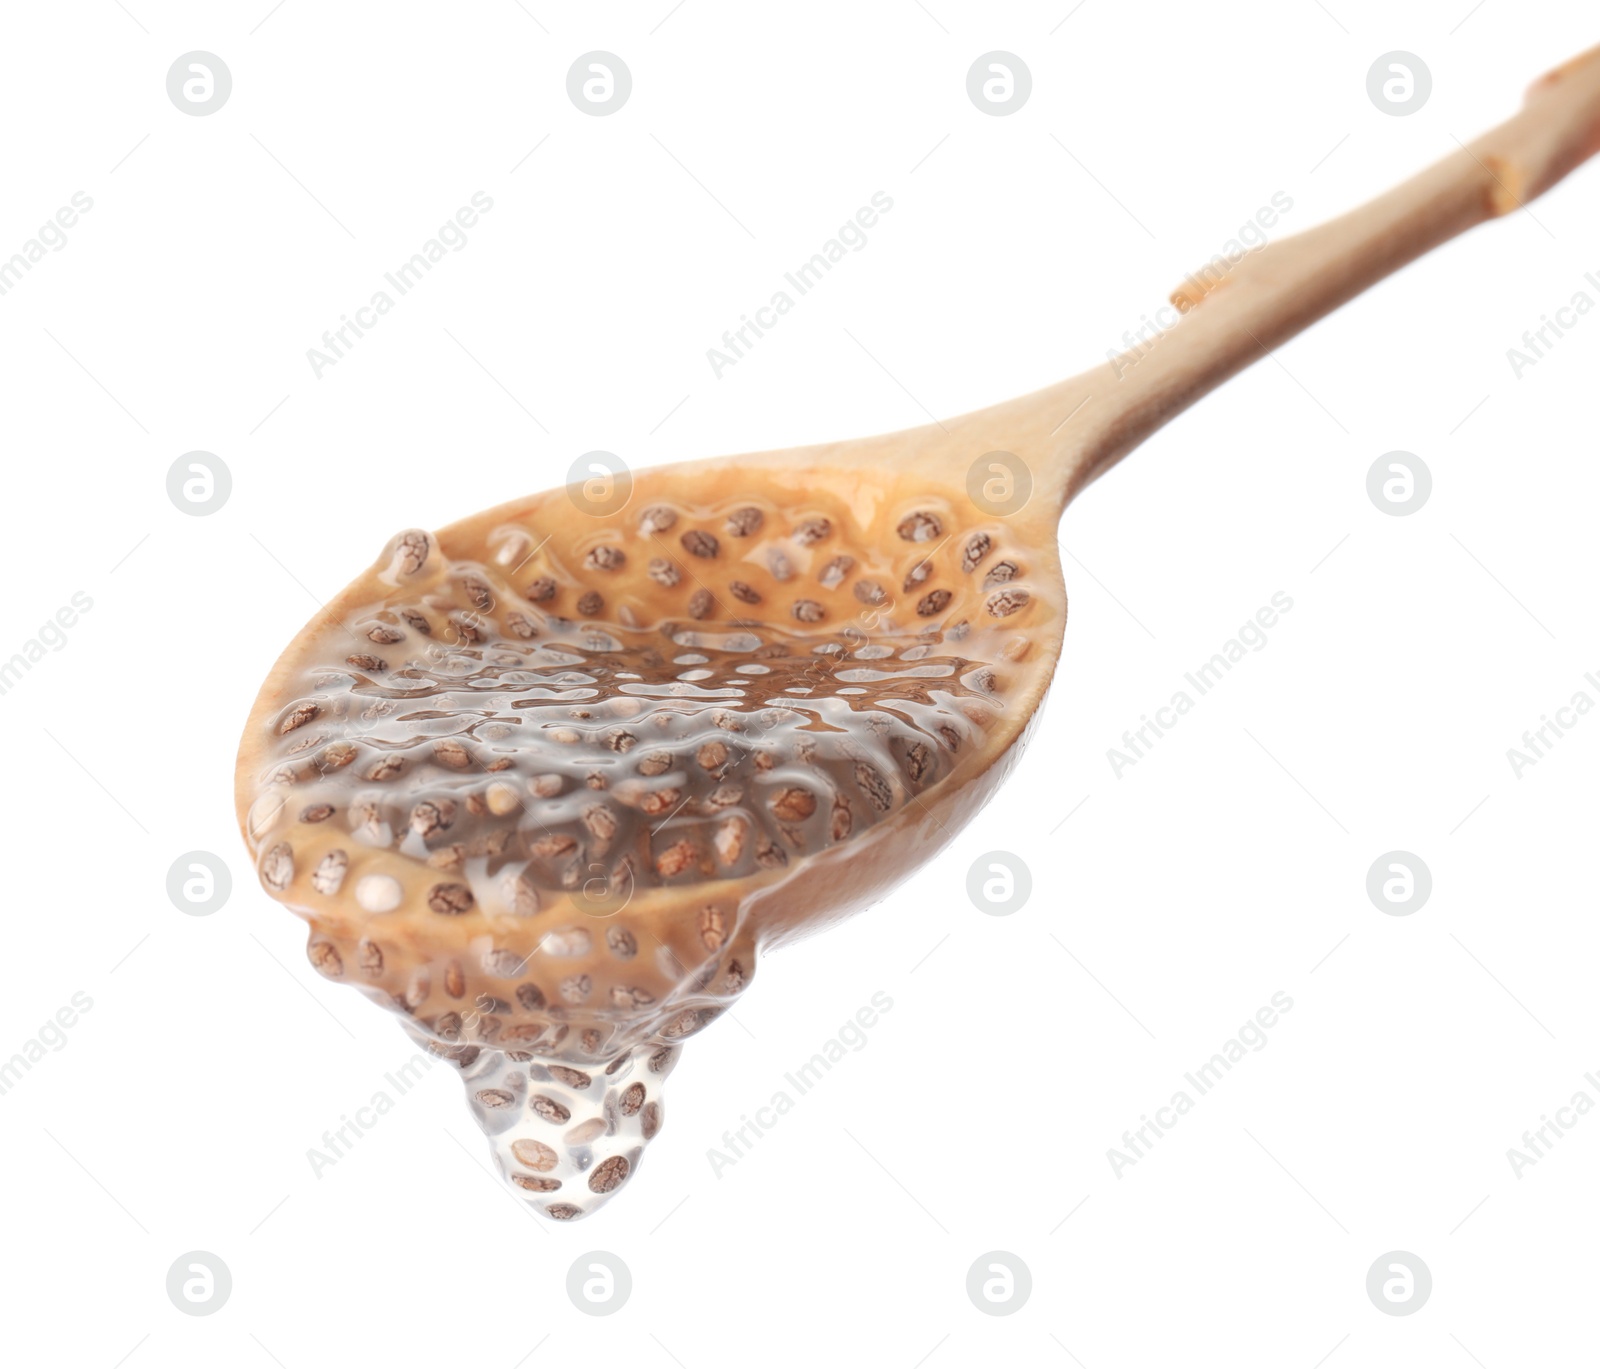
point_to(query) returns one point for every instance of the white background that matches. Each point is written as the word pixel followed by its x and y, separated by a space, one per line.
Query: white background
pixel 1228 865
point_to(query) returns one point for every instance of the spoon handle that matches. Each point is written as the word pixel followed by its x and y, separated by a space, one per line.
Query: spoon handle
pixel 1272 294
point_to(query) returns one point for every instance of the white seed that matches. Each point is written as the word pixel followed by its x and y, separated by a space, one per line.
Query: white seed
pixel 502 798
pixel 568 941
pixel 378 893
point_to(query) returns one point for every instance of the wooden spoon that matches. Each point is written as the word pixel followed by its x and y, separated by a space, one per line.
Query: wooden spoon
pixel 545 782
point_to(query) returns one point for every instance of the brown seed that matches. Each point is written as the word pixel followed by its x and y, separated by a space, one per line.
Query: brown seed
pixel 999 573
pixel 608 1174
pixel 1003 603
pixel 601 821
pixel 573 1079
pixel 724 795
pixel 650 1123
pixel 604 558
pixel 700 603
pixel 324 957
pixel 317 812
pixel 621 943
pixel 534 1154
pixel 336 757
pixel 503 964
pixel 836 571
pixel 450 900
pixel 744 593
pixel 620 739
pixel 374 664
pixel 429 817
pixel 387 768
pixel 793 804
pixel 454 983
pixel 734 979
pixel 542 590
pixel 277 867
pixel 769 855
pixel 534 1185
pixel 916 575
pixel 495 1098
pixel 779 565
pixel 919 527
pixel 807 611
pixel 330 874
pixel 417 622
pixel 869 591
pixel 713 928
pixel 654 763
pixel 840 820
pixel 522 626
pixel 564 1212
pixel 977 548
pixel 656 518
pixel 448 1026
pixel 812 531
pixel 529 997
pixel 663 1060
pixel 418 989
pixel 934 601
pixel 698 543
pixel 712 756
pixel 298 716
pixel 385 636
pixel 549 1109
pixel 743 522
pixel 590 604
pixel 411 553
pixel 874 786
pixel 660 801
pixel 680 856
pixel 575 988
pixel 452 754
pixel 919 761
pixel 478 593
pixel 548 848
pixel 632 1099
pixel 371 958
pixel 622 996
